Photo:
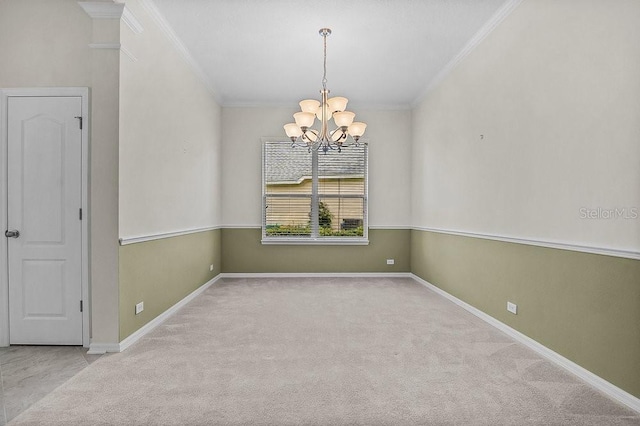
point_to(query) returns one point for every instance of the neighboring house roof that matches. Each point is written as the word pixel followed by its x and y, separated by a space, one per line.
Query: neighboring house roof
pixel 291 165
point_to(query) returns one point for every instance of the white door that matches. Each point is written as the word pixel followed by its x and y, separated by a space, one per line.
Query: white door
pixel 44 165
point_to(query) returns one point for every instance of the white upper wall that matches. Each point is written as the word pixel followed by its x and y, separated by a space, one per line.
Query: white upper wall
pixel 537 128
pixel 389 137
pixel 29 55
pixel 170 174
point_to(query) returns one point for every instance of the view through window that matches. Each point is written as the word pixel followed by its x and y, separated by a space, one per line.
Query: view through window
pixel 313 196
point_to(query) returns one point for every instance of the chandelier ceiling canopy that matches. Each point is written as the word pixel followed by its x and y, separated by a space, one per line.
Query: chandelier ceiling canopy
pixel 301 132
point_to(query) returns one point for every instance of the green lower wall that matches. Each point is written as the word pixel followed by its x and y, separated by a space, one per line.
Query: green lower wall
pixel 162 272
pixel 244 253
pixel 583 306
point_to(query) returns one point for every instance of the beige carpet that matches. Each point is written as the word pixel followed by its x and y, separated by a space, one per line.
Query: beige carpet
pixel 324 352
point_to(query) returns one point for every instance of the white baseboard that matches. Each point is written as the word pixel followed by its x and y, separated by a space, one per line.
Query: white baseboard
pixel 317 275
pixel 582 373
pixel 101 348
pixel 166 314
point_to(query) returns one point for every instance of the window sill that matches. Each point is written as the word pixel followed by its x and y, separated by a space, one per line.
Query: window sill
pixel 326 241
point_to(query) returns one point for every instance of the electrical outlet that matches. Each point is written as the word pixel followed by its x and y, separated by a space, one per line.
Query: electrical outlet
pixel 139 307
pixel 211 267
pixel 391 261
pixel 512 307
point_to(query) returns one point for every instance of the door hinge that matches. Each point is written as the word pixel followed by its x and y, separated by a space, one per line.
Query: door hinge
pixel 79 121
pixel 81 306
pixel 80 213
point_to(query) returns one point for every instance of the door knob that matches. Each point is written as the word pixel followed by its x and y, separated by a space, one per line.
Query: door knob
pixel 12 234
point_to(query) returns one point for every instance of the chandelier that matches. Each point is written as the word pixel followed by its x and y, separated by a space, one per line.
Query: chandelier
pixel 301 133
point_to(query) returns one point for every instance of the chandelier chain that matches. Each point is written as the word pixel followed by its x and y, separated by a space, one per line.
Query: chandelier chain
pixel 324 76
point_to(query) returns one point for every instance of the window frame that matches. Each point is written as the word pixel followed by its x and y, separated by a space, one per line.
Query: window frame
pixel 315 238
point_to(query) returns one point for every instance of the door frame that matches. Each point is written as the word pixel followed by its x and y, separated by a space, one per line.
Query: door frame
pixel 5 94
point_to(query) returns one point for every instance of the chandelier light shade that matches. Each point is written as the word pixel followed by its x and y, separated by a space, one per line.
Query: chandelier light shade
pixel 304 120
pixel 310 105
pixel 344 118
pixel 302 132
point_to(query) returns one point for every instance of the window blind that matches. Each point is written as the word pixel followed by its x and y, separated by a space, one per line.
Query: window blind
pixel 314 198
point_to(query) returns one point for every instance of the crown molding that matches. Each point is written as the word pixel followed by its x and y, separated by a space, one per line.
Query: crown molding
pixel 132 22
pixel 292 103
pixel 102 9
pixel 128 53
pixel 165 28
pixel 107 10
pixel 486 29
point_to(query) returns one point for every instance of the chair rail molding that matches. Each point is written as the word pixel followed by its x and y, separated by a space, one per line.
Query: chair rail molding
pixel 159 236
pixel 607 251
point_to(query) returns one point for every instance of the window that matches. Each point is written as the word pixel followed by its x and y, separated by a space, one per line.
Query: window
pixel 313 197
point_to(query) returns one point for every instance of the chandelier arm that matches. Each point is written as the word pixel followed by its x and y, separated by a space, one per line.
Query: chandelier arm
pixel 330 146
pixel 313 132
pixel 344 134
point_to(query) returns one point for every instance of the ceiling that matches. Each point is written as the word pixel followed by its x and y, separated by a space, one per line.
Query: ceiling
pixel 381 54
